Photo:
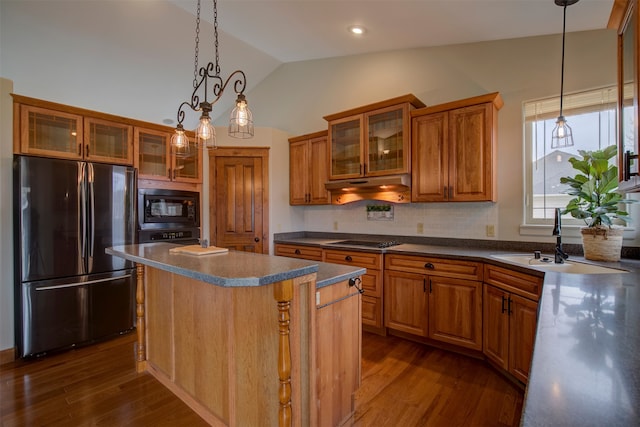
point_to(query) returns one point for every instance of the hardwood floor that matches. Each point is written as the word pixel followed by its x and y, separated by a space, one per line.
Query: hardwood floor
pixel 403 384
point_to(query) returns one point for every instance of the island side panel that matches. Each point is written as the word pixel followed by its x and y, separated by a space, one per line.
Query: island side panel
pixel 159 315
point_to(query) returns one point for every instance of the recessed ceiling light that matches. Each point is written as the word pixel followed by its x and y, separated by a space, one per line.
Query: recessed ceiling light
pixel 357 30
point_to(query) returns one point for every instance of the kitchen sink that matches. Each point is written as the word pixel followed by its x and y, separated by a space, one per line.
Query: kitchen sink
pixel 545 263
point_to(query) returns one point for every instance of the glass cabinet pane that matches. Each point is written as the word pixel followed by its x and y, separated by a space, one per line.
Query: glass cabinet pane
pixel 187 165
pixel 51 132
pixel 386 143
pixel 108 141
pixel 153 154
pixel 345 148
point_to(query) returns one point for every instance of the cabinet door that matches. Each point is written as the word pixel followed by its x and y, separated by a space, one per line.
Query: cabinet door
pixel 298 172
pixel 430 159
pixel 455 311
pixel 346 148
pixel 318 164
pixel 187 167
pixel 522 333
pixel 50 133
pixel 107 141
pixel 153 154
pixel 471 153
pixel 387 147
pixel 496 325
pixel 405 302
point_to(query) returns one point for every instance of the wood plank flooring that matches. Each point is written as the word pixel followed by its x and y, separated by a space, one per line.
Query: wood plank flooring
pixel 403 384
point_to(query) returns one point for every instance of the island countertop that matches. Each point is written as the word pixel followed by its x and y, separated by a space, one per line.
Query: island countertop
pixel 586 360
pixel 234 268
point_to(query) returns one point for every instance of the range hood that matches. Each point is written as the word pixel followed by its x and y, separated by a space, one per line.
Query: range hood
pixel 391 188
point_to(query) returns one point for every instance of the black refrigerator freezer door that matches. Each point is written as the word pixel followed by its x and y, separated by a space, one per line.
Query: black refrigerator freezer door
pixel 59 314
pixel 48 214
pixel 111 195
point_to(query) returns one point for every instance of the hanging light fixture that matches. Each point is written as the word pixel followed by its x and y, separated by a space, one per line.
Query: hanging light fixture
pixel 241 121
pixel 562 135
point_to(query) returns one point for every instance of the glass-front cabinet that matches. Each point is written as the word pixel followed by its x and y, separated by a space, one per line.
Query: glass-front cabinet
pixel 107 141
pixel 50 133
pixel 156 161
pixel 372 140
pixel 624 17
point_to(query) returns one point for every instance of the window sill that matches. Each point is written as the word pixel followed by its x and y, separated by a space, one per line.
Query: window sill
pixel 543 230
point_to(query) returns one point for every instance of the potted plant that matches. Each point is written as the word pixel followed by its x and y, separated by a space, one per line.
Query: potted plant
pixel 596 201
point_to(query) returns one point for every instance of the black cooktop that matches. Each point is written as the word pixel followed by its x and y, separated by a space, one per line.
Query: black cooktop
pixel 368 243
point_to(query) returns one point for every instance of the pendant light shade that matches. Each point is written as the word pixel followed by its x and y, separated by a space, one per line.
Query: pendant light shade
pixel 241 120
pixel 562 136
pixel 212 84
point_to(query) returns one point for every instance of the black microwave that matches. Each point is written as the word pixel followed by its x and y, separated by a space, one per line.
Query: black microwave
pixel 168 209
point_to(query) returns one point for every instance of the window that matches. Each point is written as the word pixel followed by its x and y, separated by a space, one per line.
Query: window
pixel 592 117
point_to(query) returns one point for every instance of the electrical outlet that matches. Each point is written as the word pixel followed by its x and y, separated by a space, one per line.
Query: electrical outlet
pixel 491 230
pixel 335 225
pixel 420 228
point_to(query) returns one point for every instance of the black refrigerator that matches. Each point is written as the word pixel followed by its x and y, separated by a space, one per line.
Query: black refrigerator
pixel 68 292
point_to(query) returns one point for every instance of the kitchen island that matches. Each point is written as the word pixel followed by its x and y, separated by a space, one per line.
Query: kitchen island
pixel 249 339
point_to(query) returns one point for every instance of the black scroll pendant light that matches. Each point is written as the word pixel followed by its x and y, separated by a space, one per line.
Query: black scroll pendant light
pixel 208 79
pixel 562 136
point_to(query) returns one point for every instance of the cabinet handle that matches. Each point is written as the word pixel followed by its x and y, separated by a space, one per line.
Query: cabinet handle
pixel 503 299
pixel 429 266
pixel 80 150
pixel 424 285
pixel 174 173
pixel 297 252
pixel 430 286
pixel 87 153
pixel 256 239
pixel 509 307
pixel 348 258
pixel 626 175
pixel 169 173
pixel 445 193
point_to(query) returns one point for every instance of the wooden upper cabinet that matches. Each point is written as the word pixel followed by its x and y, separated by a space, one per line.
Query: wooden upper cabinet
pixel 50 133
pixel 454 150
pixel 372 140
pixel 108 141
pixel 308 165
pixel 624 19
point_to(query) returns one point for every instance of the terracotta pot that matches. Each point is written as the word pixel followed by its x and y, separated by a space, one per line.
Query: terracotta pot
pixel 602 243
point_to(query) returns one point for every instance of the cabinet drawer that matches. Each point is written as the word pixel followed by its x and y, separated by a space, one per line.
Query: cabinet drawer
pixel 334 293
pixel 296 251
pixel 435 266
pixel 359 259
pixel 372 283
pixel 514 281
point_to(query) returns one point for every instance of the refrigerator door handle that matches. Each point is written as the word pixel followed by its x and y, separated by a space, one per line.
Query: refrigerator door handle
pixel 82 214
pixel 77 284
pixel 92 213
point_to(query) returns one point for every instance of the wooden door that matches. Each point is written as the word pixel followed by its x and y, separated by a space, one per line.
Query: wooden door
pixel 496 325
pixel 522 334
pixel 430 162
pixel 471 156
pixel 239 202
pixel 455 311
pixel 405 302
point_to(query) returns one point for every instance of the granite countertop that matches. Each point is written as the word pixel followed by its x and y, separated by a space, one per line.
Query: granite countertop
pixel 233 268
pixel 586 361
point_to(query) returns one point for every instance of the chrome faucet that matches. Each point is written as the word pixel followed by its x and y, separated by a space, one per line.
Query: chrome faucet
pixel 560 255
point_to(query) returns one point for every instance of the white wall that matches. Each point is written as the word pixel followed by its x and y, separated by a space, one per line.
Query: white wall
pixel 6 216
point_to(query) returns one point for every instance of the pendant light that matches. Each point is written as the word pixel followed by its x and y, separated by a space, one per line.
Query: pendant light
pixel 205 78
pixel 562 136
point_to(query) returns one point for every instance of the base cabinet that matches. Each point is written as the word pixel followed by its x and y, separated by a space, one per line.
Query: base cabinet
pixel 439 305
pixel 510 318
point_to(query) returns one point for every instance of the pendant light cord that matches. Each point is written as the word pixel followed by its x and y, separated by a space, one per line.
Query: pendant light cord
pixel 564 24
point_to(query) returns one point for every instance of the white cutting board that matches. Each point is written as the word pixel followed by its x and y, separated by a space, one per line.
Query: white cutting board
pixel 198 250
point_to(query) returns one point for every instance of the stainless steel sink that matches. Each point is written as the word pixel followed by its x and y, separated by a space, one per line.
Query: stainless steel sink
pixel 545 263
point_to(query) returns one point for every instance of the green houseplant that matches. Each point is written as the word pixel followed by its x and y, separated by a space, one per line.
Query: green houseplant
pixel 597 202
